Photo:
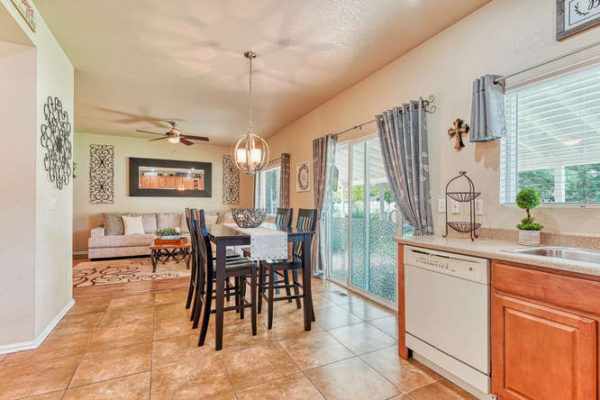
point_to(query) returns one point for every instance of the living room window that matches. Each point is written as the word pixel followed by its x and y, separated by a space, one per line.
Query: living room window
pixel 553 139
pixel 267 189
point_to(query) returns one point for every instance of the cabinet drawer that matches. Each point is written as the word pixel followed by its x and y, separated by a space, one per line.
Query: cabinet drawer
pixel 560 290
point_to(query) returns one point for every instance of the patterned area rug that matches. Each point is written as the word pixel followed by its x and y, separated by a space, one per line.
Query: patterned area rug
pixel 93 273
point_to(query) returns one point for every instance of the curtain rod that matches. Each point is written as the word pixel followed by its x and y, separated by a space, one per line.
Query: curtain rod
pixel 578 50
pixel 425 103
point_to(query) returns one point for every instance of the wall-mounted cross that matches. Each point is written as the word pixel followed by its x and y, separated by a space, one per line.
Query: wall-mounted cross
pixel 458 130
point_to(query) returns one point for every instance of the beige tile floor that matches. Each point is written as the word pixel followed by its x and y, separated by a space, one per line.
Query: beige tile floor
pixel 142 346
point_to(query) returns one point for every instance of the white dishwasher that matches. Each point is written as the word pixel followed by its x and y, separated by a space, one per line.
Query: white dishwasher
pixel 447 303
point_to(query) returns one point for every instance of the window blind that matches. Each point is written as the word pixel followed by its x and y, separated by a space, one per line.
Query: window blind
pixel 553 139
pixel 267 189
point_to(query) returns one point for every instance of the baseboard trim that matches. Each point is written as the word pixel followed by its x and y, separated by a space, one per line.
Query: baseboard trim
pixel 33 344
pixel 80 253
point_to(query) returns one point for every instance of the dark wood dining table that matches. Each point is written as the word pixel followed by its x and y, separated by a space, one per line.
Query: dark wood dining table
pixel 223 236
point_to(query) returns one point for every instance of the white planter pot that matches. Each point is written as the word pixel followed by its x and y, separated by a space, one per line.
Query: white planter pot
pixel 529 238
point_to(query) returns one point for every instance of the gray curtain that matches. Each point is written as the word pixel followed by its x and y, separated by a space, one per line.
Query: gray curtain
pixel 403 138
pixel 487 110
pixel 284 181
pixel 323 171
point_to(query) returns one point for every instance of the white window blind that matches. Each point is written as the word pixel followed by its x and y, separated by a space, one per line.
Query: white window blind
pixel 553 139
pixel 267 189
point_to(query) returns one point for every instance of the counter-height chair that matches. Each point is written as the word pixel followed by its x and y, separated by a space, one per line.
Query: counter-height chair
pixel 307 220
pixel 241 269
pixel 189 212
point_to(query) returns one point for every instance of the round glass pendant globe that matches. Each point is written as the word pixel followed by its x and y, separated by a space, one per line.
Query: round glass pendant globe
pixel 173 139
pixel 251 153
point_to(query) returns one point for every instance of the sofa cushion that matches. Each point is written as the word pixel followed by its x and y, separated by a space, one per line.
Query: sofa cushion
pixel 113 224
pixel 211 219
pixel 169 220
pixel 121 241
pixel 133 225
pixel 148 221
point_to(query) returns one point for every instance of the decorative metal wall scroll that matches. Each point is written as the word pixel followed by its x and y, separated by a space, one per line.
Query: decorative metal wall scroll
pixel 102 174
pixel 457 132
pixel 56 139
pixel 231 181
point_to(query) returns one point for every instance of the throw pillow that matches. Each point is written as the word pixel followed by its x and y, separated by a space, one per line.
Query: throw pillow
pixel 133 225
pixel 113 224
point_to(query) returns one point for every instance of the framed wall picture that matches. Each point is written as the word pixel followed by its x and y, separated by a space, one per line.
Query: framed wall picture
pixel 574 16
pixel 169 178
pixel 303 177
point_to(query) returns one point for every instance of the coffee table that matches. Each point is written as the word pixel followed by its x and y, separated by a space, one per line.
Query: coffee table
pixel 164 252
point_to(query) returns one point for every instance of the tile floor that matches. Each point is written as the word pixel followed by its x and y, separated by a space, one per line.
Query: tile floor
pixel 142 346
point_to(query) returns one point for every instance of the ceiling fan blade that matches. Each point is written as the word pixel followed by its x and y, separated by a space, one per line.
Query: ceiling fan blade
pixel 204 139
pixel 152 133
pixel 185 141
pixel 160 138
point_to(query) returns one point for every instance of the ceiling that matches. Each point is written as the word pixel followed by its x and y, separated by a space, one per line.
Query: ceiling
pixel 141 61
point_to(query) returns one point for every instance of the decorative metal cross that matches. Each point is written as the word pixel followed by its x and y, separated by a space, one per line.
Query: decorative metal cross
pixel 458 131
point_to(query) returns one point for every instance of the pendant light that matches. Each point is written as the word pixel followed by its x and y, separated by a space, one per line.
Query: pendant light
pixel 251 152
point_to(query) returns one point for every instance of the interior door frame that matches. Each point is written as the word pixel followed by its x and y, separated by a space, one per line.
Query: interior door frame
pixel 348 283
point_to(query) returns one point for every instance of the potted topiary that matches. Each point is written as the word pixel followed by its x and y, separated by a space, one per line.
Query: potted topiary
pixel 529 230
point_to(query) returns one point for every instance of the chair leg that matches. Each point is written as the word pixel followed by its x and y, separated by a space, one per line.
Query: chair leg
pixel 205 314
pixel 260 288
pixel 190 295
pixel 197 308
pixel 271 290
pixel 286 281
pixel 253 300
pixel 228 286
pixel 242 292
pixel 236 293
pixel 296 288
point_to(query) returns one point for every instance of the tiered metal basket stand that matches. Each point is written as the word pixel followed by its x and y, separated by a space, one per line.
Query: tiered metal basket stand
pixel 469 196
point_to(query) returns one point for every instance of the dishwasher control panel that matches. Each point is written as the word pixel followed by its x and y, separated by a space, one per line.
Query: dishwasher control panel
pixel 465 267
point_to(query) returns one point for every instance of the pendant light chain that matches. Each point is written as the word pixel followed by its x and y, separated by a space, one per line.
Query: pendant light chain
pixel 250 121
pixel 251 152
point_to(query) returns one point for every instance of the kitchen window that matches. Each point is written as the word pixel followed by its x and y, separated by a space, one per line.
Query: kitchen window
pixel 266 190
pixel 553 139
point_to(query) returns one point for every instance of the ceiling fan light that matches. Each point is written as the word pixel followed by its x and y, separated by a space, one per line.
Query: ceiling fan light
pixel 173 139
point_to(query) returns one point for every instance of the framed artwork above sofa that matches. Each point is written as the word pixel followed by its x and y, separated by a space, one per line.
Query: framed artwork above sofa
pixel 169 178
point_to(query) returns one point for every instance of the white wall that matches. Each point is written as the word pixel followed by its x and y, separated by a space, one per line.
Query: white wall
pixel 87 216
pixel 51 240
pixel 17 203
pixel 501 37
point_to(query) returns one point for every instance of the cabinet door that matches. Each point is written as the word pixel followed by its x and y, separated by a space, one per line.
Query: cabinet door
pixel 541 353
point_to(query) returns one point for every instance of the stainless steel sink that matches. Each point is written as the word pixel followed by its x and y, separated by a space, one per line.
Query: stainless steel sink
pixel 567 253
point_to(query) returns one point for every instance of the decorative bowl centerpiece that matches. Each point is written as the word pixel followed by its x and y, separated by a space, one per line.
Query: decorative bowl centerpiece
pixel 248 217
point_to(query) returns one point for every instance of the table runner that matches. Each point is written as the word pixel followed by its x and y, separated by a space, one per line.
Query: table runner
pixel 265 243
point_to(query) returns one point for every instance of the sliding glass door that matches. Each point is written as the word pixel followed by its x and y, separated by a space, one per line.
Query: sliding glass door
pixel 363 221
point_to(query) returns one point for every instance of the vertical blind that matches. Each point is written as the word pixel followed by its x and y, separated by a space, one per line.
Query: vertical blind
pixel 267 189
pixel 553 139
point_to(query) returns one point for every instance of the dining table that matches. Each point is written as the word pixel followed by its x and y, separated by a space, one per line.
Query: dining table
pixel 225 235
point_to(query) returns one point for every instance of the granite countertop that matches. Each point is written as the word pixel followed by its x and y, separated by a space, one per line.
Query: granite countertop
pixel 493 249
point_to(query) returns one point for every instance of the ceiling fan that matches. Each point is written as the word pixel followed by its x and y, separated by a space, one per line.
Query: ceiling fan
pixel 174 135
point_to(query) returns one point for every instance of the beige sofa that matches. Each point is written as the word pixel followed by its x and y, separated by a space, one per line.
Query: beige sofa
pixel 108 240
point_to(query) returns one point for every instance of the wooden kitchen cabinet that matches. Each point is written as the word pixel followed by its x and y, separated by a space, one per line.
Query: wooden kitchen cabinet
pixel 544 334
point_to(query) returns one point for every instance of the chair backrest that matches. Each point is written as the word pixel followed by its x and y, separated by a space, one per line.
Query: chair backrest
pixel 307 221
pixel 189 220
pixel 284 217
pixel 205 264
